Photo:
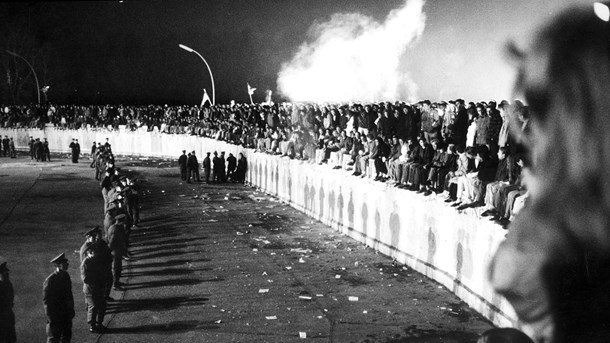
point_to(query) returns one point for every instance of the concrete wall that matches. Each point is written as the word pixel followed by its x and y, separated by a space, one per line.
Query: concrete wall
pixel 422 232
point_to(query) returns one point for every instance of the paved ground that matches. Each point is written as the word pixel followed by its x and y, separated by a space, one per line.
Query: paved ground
pixel 215 264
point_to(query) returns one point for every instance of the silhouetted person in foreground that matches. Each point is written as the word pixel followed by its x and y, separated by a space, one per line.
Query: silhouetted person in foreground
pixel 554 267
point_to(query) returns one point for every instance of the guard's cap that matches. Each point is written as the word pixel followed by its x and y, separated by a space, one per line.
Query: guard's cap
pixel 61 258
pixel 93 232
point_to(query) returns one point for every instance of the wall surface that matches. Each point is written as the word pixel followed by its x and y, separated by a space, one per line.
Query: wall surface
pixel 451 247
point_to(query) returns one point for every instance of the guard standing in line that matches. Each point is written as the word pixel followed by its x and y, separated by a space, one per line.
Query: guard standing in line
pixel 193 167
pixel 90 238
pixel 105 255
pixel 58 302
pixel 5 149
pixel 11 145
pixel 75 147
pixel 32 141
pixel 222 167
pixel 46 151
pixel 118 248
pixel 182 164
pixel 7 297
pixel 38 149
pixel 216 168
pixel 207 167
pixel 133 203
pixel 232 165
pixel 93 276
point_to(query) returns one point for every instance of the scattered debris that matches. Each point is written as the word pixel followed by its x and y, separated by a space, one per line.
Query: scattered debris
pixel 302 335
pixel 271 317
pixel 352 298
pixel 301 251
pixel 263 290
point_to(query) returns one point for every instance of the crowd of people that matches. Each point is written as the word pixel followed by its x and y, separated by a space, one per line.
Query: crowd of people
pixel 448 147
pixel 451 147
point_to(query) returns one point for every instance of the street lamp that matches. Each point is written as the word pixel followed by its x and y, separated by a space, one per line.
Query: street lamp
pixel 33 71
pixel 207 65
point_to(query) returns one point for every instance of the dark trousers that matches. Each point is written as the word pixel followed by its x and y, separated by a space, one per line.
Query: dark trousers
pixel 74 157
pixel 194 173
pixel 96 303
pixel 7 326
pixel 59 330
pixel 135 210
pixel 183 174
pixel 117 267
pixel 206 175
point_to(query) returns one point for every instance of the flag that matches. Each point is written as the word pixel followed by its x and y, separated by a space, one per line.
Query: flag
pixel 250 89
pixel 206 97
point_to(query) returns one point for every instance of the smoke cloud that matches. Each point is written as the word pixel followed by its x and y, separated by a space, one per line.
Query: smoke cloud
pixel 352 57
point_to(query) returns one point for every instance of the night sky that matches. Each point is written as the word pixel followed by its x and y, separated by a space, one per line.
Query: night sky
pixel 127 52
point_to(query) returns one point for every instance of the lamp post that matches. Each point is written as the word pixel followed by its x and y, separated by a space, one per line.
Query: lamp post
pixel 182 46
pixel 33 71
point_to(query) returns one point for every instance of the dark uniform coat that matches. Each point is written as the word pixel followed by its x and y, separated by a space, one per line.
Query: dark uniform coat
pixel 7 316
pixel 58 306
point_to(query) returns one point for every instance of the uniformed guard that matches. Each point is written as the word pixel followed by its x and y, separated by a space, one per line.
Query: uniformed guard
pixel 105 255
pixel 31 144
pixel 93 275
pixel 90 238
pixel 58 302
pixel 182 160
pixel 133 203
pixel 7 297
pixel 118 248
pixel 207 167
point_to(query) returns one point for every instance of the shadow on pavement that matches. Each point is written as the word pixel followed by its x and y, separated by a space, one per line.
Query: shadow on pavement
pixel 169 263
pixel 164 283
pixel 154 304
pixel 167 271
pixel 173 327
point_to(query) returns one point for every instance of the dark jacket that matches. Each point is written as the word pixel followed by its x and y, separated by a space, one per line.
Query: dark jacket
pixel 57 296
pixel 182 160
